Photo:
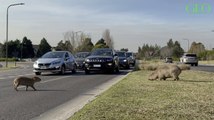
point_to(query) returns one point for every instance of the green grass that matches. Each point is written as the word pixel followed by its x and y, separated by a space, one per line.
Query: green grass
pixel 207 62
pixel 11 65
pixel 137 98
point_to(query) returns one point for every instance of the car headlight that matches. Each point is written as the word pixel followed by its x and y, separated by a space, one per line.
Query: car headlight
pixel 87 60
pixel 35 63
pixel 55 62
pixel 125 60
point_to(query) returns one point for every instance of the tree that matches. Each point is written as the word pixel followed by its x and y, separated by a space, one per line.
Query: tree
pixel 101 44
pixel 197 48
pixel 170 44
pixel 44 47
pixel 64 46
pixel 124 49
pixel 108 38
pixel 27 48
pixel 148 52
pixel 86 45
pixel 1 50
pixel 177 50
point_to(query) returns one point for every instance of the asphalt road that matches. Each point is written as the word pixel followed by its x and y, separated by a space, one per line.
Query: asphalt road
pixel 53 91
pixel 207 68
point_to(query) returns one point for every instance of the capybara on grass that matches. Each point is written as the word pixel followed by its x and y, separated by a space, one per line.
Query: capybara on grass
pixel 166 71
pixel 26 82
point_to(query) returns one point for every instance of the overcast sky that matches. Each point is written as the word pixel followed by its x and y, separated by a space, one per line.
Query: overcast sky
pixel 132 23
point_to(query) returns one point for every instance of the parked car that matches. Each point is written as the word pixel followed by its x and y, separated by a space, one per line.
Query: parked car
pixel 189 58
pixel 168 60
pixel 123 59
pixel 56 61
pixel 131 58
pixel 102 59
pixel 80 59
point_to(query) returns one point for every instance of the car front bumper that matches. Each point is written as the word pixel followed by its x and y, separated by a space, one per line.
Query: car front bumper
pixel 95 66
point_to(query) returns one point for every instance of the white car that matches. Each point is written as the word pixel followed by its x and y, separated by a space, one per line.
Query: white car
pixel 55 61
pixel 189 58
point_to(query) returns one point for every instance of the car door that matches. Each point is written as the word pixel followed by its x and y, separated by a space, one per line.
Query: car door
pixel 73 61
pixel 67 61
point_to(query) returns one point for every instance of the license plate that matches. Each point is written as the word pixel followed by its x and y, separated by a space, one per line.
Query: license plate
pixel 97 65
pixel 43 67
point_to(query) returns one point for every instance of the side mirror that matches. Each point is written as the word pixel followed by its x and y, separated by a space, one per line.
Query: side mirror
pixel 115 54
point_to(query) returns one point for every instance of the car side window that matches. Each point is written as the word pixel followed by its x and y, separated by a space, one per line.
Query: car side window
pixel 66 56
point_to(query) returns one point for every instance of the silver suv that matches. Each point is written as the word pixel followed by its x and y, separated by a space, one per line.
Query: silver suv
pixel 189 58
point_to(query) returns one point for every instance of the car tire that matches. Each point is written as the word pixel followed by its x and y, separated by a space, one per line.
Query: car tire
pixel 127 67
pixel 62 72
pixel 87 71
pixel 75 69
pixel 196 64
pixel 37 73
pixel 117 69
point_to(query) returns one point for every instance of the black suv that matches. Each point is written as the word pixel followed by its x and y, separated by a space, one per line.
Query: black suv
pixel 102 59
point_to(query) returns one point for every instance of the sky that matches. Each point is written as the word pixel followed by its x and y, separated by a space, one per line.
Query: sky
pixel 132 23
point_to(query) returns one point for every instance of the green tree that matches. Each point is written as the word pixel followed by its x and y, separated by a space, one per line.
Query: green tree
pixel 170 44
pixel 13 49
pixel 124 49
pixel 27 48
pixel 197 48
pixel 177 50
pixel 100 44
pixel 65 46
pixel 44 47
pixel 86 46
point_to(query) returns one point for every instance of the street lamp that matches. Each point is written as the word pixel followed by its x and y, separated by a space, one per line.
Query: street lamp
pixel 188 43
pixel 7 30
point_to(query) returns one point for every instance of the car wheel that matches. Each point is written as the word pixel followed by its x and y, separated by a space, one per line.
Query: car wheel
pixel 74 70
pixel 117 69
pixel 87 71
pixel 127 67
pixel 38 73
pixel 196 64
pixel 62 70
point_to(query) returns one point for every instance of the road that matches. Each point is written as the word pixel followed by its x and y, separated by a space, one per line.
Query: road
pixel 53 91
pixel 207 68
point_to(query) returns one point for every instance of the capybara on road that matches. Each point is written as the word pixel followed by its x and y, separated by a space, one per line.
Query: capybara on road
pixel 166 71
pixel 26 82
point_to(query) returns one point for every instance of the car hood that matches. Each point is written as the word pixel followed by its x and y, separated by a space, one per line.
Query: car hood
pixel 48 60
pixel 80 59
pixel 122 58
pixel 91 57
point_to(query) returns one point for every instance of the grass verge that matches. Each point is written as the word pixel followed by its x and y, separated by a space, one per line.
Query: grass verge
pixel 136 98
pixel 11 65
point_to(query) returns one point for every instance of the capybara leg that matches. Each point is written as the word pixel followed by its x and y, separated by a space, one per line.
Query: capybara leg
pixel 33 88
pixel 15 86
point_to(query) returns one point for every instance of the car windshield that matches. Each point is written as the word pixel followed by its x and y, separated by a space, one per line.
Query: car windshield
pixel 81 55
pixel 102 52
pixel 191 55
pixel 53 55
pixel 128 54
pixel 121 54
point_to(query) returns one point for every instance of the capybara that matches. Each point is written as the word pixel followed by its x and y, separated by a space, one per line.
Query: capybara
pixel 166 71
pixel 26 82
